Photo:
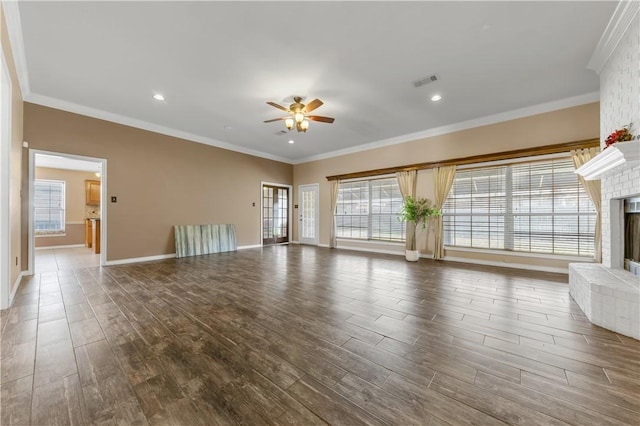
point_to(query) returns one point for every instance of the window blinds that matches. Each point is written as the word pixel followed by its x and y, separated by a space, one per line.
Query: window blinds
pixel 535 207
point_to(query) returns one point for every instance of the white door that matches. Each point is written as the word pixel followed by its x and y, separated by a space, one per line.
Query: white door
pixel 308 212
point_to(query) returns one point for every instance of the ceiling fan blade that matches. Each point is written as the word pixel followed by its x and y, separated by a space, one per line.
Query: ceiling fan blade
pixel 273 104
pixel 321 118
pixel 312 105
pixel 276 119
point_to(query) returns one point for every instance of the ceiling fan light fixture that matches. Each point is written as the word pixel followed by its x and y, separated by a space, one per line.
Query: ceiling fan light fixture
pixel 298 115
pixel 289 123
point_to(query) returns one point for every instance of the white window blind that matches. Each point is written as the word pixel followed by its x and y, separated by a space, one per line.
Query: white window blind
pixel 369 210
pixel 49 205
pixel 534 207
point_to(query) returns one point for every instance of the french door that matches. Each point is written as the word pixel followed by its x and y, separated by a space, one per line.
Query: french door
pixel 275 214
pixel 308 200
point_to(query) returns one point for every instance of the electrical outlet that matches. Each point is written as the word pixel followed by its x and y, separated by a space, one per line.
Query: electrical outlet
pixel 16 260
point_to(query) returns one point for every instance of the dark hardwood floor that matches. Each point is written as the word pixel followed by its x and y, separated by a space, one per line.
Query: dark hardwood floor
pixel 304 335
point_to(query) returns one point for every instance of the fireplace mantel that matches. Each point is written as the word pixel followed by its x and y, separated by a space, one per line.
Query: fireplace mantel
pixel 616 158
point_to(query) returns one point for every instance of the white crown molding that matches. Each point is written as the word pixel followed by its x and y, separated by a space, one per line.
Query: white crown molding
pixel 616 28
pixel 17 45
pixel 620 21
pixel 463 125
pixel 14 28
pixel 145 125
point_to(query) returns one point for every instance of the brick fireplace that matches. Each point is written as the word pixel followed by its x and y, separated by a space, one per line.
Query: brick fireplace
pixel 608 294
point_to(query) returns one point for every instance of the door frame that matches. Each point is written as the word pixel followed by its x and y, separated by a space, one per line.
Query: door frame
pixel 6 88
pixel 316 187
pixel 289 209
pixel 103 202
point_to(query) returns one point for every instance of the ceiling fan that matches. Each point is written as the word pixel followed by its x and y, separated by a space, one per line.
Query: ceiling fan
pixel 299 117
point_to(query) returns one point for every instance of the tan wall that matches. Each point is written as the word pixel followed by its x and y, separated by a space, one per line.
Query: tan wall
pixel 16 157
pixel 571 124
pixel 160 181
pixel 74 235
pixel 75 197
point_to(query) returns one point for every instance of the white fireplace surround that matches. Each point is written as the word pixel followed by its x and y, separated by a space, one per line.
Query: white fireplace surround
pixel 615 159
pixel 607 294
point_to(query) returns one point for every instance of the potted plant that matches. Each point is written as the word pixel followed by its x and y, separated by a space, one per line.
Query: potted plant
pixel 414 212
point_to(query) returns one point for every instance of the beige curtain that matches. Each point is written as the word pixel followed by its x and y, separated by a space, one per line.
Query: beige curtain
pixel 407 183
pixel 443 179
pixel 333 239
pixel 592 188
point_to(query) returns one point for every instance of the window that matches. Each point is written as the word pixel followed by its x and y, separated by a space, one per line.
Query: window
pixel 49 206
pixel 369 210
pixel 534 207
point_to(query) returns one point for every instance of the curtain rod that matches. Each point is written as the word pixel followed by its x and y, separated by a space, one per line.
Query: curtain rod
pixel 505 155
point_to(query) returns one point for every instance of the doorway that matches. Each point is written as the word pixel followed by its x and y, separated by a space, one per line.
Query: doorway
pixel 308 199
pixel 276 209
pixel 67 214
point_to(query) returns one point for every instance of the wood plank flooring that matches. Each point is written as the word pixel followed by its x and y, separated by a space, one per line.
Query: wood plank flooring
pixel 305 335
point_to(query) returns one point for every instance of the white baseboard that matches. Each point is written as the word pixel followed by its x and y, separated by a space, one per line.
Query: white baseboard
pixel 249 247
pixel 60 247
pixel 462 260
pixel 139 259
pixel 506 265
pixel 16 285
pixel 159 257
pixel 372 250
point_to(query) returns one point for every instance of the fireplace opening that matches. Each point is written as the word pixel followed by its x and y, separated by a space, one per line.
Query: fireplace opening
pixel 632 235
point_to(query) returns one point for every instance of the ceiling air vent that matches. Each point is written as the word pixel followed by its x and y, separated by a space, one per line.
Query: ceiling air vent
pixel 281 132
pixel 426 80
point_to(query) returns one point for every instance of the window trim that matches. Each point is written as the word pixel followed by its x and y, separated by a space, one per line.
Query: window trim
pixel 368 239
pixel 54 232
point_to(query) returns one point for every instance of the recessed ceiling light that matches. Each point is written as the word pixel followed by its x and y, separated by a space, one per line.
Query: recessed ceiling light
pixel 436 98
pixel 228 128
pixel 158 97
pixel 291 141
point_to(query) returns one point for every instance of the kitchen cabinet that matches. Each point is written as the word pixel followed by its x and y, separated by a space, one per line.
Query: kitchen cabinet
pixel 95 235
pixel 92 234
pixel 87 233
pixel 93 192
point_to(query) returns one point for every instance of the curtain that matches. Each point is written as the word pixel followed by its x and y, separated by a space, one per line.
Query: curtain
pixel 443 179
pixel 592 188
pixel 407 184
pixel 333 239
